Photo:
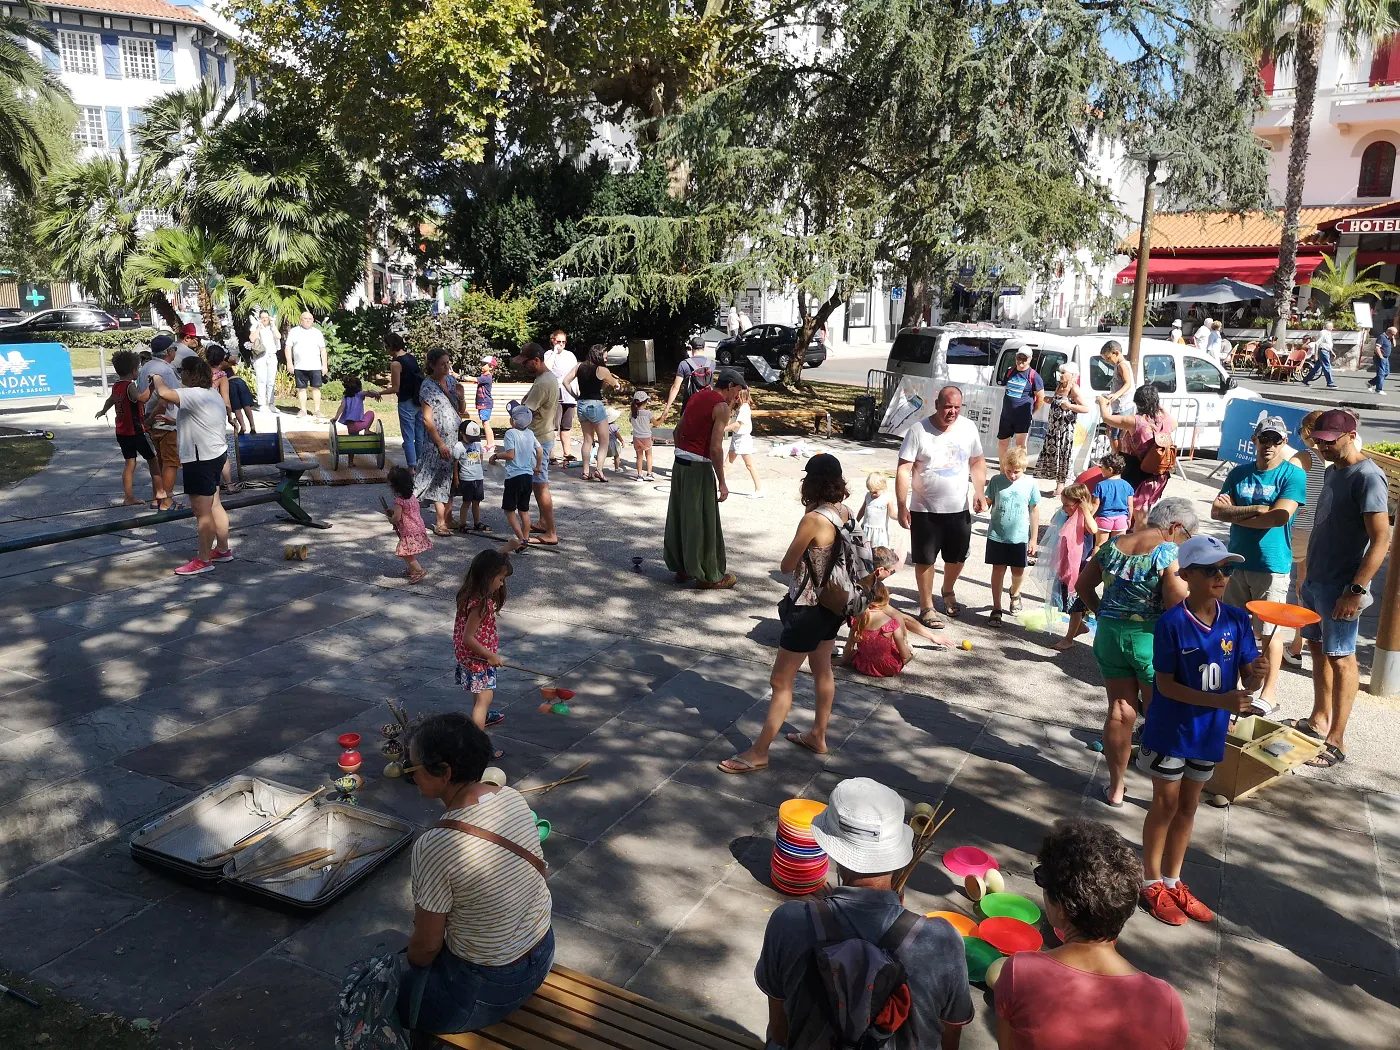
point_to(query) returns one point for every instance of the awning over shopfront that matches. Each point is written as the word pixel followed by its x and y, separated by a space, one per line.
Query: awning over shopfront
pixel 1202 269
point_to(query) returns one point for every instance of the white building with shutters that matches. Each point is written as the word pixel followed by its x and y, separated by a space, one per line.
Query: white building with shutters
pixel 116 56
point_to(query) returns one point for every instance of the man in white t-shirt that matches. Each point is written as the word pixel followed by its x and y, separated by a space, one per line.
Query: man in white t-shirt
pixel 1202 336
pixel 306 347
pixel 560 360
pixel 940 455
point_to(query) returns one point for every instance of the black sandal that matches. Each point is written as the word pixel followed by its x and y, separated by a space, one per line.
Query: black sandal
pixel 930 620
pixel 994 618
pixel 1331 756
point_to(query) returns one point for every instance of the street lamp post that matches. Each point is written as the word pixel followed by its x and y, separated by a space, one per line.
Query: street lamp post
pixel 1149 209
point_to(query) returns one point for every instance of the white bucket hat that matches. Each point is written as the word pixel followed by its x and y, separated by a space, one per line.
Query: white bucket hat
pixel 862 828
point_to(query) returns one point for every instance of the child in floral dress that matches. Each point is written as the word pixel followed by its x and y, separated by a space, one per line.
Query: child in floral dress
pixel 475 642
pixel 407 520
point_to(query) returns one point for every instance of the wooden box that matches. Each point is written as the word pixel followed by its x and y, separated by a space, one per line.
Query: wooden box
pixel 1258 751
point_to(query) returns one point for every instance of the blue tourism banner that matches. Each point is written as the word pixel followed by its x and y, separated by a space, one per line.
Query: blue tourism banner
pixel 35 370
pixel 1243 414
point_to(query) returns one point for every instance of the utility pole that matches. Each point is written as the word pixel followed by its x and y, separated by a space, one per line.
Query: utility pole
pixel 1149 208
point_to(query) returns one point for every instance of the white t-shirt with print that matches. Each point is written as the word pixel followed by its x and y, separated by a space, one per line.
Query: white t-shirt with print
pixel 941 459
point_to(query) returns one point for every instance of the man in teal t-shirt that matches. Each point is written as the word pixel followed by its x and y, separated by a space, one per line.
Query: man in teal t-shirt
pixel 1259 501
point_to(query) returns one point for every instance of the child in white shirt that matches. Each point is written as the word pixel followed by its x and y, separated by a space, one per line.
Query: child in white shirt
pixel 470 478
pixel 641 436
pixel 740 432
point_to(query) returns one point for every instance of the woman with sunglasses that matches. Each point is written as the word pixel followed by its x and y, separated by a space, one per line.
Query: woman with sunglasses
pixel 1139 579
pixel 1083 995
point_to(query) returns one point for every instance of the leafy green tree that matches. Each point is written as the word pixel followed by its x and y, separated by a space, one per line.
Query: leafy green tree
pixel 91 225
pixel 29 92
pixel 166 258
pixel 1293 32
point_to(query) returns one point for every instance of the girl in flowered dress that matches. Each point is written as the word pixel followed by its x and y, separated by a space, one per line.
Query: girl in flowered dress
pixel 475 642
pixel 407 520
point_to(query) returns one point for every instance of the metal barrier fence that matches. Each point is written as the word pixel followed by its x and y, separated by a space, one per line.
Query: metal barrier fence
pixel 887 383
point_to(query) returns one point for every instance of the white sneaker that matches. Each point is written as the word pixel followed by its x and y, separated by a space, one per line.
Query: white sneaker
pixel 758 495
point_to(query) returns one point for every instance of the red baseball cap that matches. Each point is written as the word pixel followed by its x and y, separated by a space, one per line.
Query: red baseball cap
pixel 1333 423
pixel 188 329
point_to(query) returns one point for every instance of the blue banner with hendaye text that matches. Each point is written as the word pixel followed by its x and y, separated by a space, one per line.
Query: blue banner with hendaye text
pixel 30 370
pixel 1242 415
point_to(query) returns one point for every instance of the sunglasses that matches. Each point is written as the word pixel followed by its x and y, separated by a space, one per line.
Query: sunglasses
pixel 1268 440
pixel 1325 443
pixel 1212 571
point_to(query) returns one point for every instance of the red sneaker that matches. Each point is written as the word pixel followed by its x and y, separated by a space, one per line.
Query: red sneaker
pixel 194 567
pixel 1190 904
pixel 222 555
pixel 1158 900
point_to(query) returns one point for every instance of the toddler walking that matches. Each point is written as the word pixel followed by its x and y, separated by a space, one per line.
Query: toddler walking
pixel 1015 522
pixel 877 510
pixel 470 478
pixel 1075 541
pixel 407 520
pixel 1114 497
pixel 614 442
pixel 520 451
pixel 641 435
pixel 475 642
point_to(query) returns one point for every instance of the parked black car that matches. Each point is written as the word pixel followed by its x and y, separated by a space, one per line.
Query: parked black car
pixel 127 316
pixel 10 314
pixel 64 319
pixel 773 343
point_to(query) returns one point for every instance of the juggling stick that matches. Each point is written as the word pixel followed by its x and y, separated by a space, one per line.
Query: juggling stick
pixel 258 834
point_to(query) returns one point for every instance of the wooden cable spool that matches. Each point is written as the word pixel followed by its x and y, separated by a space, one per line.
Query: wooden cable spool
pixel 367 443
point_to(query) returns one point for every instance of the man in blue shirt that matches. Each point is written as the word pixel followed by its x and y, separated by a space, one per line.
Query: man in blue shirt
pixel 1025 391
pixel 1385 346
pixel 1202 650
pixel 1259 501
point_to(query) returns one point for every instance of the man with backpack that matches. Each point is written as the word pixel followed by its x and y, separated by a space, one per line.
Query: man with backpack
pixel 695 373
pixel 854 969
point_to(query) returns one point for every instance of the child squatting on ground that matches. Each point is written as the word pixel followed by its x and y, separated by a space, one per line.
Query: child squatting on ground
pixel 879 643
pixel 468 477
pixel 131 429
pixel 1203 650
pixel 475 642
pixel 1014 505
pixel 520 452
pixel 408 523
pixel 1114 497
pixel 1075 541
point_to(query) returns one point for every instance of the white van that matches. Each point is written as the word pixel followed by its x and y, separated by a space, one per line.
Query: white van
pixel 1193 388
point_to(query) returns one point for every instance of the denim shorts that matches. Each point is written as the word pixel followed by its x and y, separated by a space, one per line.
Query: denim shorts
pixel 542 467
pixel 459 996
pixel 1338 637
pixel 592 411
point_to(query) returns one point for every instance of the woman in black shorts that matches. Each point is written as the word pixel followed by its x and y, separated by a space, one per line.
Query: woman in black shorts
pixel 201 428
pixel 809 628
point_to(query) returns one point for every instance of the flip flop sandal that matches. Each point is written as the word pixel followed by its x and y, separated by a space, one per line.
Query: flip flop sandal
pixel 796 738
pixel 1331 756
pixel 931 621
pixel 481 526
pixel 951 605
pixel 442 532
pixel 738 767
pixel 1304 726
pixel 1103 797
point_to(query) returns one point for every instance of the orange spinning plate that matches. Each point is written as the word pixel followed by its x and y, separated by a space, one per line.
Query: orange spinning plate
pixel 965 926
pixel 1282 615
pixel 800 812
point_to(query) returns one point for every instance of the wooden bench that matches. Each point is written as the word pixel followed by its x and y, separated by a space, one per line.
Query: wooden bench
pixel 580 1012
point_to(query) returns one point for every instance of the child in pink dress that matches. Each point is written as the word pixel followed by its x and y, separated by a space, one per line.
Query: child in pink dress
pixel 408 523
pixel 879 645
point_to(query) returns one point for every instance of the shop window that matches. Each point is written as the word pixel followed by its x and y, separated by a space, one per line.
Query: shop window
pixel 1377 170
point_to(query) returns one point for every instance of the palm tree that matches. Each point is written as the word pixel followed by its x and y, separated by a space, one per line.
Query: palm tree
pixel 1294 31
pixel 284 301
pixel 1343 286
pixel 175 128
pixel 91 225
pixel 167 257
pixel 27 91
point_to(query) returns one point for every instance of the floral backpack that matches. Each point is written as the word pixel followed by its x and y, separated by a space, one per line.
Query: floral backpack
pixel 367 1014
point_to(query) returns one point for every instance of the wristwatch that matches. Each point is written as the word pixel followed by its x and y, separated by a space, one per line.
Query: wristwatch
pixel 1356 588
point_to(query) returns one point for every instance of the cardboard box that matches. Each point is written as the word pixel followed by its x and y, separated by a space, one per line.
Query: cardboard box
pixel 1258 751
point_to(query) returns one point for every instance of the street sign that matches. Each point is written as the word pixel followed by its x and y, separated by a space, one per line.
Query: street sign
pixel 1368 226
pixel 897 293
pixel 30 370
pixel 34 297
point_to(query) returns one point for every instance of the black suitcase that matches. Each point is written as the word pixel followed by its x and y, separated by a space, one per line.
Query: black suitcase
pixel 864 423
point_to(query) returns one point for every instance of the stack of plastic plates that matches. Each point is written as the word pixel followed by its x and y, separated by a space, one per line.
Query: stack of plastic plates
pixel 799 864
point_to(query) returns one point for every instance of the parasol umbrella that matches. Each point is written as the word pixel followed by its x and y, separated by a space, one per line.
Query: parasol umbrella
pixel 1224 290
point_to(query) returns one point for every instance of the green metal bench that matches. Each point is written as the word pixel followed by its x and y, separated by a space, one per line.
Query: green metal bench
pixel 367 443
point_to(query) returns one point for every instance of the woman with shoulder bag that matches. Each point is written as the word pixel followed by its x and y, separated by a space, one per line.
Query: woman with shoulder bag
pixel 809 627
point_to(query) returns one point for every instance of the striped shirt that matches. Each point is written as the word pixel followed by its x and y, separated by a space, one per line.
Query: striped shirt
pixel 497 905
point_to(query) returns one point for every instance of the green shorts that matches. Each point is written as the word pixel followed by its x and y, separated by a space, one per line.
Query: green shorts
pixel 1123 648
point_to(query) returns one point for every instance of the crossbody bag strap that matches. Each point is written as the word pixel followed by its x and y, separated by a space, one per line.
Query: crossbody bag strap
pixel 824 919
pixel 900 931
pixel 500 840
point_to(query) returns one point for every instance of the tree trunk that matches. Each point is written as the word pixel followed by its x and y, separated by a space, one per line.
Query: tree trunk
pixel 161 305
pixel 916 289
pixel 810 326
pixel 206 309
pixel 1306 58
pixel 242 323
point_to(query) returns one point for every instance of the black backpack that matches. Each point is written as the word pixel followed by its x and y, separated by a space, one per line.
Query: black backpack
pixel 410 377
pixel 701 376
pixel 850 981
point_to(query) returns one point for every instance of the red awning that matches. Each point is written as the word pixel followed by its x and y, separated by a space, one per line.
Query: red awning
pixel 1200 269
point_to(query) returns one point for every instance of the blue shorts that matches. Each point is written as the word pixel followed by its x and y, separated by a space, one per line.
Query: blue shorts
pixel 1338 637
pixel 542 473
pixel 592 411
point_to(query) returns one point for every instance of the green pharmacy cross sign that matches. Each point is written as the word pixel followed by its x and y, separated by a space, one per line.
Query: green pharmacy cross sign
pixel 34 298
pixel 35 295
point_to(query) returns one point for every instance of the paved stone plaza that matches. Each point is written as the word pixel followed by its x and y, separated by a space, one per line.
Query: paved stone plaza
pixel 124 689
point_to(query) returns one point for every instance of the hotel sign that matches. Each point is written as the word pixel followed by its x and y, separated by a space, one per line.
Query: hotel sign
pixel 1368 225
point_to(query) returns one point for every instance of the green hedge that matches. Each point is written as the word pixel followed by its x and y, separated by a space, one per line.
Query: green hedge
pixel 126 339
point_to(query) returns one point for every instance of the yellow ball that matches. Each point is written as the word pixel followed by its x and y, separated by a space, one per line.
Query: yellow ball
pixel 966 644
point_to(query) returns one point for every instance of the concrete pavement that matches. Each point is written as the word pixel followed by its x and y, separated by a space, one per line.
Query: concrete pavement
pixel 124 690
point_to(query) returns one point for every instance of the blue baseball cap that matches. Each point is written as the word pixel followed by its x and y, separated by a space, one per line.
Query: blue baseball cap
pixel 1204 550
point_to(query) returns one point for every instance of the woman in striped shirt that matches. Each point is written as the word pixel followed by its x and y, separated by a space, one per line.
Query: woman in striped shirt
pixel 482 942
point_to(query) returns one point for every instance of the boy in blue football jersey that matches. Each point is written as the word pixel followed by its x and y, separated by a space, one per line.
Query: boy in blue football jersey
pixel 1203 651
